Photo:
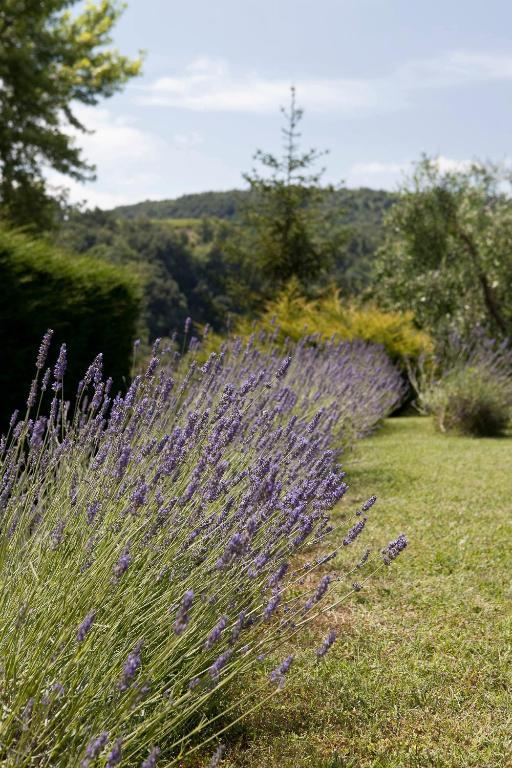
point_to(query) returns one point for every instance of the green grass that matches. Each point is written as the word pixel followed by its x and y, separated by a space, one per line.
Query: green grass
pixel 422 672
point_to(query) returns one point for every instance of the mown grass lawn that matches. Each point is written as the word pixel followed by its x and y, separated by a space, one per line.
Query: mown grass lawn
pixel 422 672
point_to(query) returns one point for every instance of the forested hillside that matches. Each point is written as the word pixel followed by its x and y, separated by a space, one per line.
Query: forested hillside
pixel 181 253
pixel 363 207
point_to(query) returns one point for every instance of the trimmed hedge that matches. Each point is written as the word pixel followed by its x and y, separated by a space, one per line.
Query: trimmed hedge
pixel 91 305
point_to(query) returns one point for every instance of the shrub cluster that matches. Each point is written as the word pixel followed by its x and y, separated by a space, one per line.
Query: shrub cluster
pixel 469 388
pixel 149 542
pixel 91 305
pixel 330 316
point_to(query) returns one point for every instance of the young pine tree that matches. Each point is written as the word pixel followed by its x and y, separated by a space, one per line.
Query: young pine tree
pixel 287 233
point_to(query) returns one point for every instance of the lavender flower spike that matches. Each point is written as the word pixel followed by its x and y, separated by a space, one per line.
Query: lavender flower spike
pixel 393 549
pixel 131 665
pixel 94 748
pixel 219 663
pixel 354 532
pixel 182 618
pixel 85 626
pixel 217 756
pixel 281 371
pixel 61 364
pixel 216 632
pixel 368 504
pixel 123 563
pixel 115 755
pixel 43 349
pixel 151 759
pixel 329 640
pixel 277 675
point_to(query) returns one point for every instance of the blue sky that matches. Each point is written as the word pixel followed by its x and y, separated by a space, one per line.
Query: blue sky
pixel 381 81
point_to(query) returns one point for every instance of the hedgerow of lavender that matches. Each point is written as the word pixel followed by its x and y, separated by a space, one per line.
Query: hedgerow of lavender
pixel 148 542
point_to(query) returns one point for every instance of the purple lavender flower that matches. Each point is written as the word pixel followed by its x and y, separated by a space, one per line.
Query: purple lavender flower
pixel 122 463
pixel 278 575
pixel 182 617
pixel 216 632
pixel 220 662
pixel 45 381
pixel 38 430
pixel 31 400
pixel 130 667
pixel 277 674
pixel 43 349
pixel 283 368
pixel 271 607
pixel 217 756
pixel 319 593
pixel 188 324
pixel 139 495
pixel 57 534
pixel 354 532
pixel 123 563
pixel 114 757
pixel 364 558
pixel 152 366
pixel 393 549
pixel 329 640
pixel 150 761
pixel 60 365
pixel 91 511
pixel 83 629
pixel 94 748
pixel 367 505
pixel 14 418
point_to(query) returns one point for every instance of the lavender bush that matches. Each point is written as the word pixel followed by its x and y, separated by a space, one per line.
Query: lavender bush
pixel 148 544
pixel 468 388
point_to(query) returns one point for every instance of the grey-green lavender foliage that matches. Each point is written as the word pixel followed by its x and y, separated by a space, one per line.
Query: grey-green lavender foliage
pixel 148 545
pixel 468 388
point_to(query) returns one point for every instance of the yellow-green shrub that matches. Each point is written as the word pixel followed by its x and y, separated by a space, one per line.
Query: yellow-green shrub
pixel 295 317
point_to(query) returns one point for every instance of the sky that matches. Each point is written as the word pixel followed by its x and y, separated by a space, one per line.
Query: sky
pixel 380 81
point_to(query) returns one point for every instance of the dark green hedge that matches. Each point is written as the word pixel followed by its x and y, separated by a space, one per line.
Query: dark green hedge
pixel 91 306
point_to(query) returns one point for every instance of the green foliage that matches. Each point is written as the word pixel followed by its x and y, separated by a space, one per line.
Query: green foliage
pixel 470 401
pixel 91 305
pixel 296 317
pixel 220 205
pixel 203 223
pixel 156 252
pixel 49 60
pixel 467 385
pixel 447 252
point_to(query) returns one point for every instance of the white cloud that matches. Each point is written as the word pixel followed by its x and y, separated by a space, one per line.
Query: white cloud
pixel 387 175
pixel 208 84
pixel 187 140
pixel 135 164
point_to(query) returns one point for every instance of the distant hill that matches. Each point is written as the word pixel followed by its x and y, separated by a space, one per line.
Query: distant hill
pixel 176 249
pixel 360 211
pixel 363 206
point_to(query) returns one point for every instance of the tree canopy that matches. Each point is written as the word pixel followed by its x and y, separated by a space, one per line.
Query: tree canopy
pixel 51 60
pixel 447 252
